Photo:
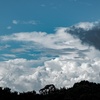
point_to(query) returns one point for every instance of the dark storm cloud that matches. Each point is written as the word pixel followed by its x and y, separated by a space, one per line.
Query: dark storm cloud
pixel 90 36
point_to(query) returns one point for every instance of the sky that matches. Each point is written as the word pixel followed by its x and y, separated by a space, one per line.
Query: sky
pixel 45 15
pixel 48 41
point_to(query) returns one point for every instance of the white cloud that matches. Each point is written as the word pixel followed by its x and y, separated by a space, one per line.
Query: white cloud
pixel 9 55
pixel 80 62
pixel 59 40
pixel 9 27
pixel 32 22
pixel 19 74
pixel 18 50
pixel 85 25
pixel 15 22
pixel 4 47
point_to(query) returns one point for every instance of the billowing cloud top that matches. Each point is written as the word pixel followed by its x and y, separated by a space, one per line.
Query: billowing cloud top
pixel 60 58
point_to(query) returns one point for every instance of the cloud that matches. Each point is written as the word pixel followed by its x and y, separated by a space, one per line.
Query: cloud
pixel 15 22
pixel 59 40
pixel 9 27
pixel 73 0
pixel 19 74
pixel 73 60
pixel 9 55
pixel 31 22
pixel 18 50
pixel 43 5
pixel 85 25
pixel 87 32
pixel 4 47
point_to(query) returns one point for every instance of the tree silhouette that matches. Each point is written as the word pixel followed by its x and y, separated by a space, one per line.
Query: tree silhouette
pixel 83 90
pixel 47 89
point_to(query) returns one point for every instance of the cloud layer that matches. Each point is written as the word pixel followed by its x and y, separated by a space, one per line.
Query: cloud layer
pixel 72 62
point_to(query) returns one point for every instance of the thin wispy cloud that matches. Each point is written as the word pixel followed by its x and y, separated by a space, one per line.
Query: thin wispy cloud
pixel 18 50
pixel 56 41
pixel 9 55
pixel 15 22
pixel 31 22
pixel 43 5
pixel 9 27
pixel 4 47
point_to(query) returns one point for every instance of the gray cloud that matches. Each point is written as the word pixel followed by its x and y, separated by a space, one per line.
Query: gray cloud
pixel 4 47
pixel 18 50
pixel 89 33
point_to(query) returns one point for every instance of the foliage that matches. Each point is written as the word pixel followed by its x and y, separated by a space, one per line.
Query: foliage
pixel 83 90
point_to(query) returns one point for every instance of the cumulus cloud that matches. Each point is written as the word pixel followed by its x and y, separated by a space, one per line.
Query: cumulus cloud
pixel 85 25
pixel 75 61
pixel 19 74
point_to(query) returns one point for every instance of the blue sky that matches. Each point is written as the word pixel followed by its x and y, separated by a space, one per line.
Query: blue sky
pixel 46 14
pixel 48 41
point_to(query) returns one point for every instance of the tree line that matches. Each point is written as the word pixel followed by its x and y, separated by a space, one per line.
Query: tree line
pixel 83 90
